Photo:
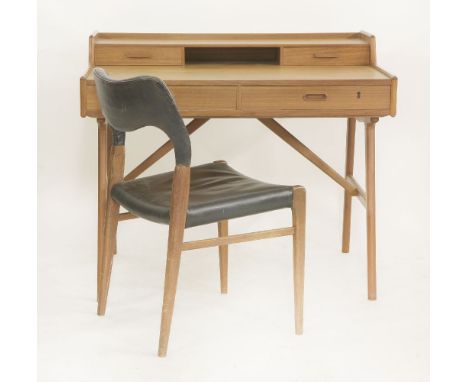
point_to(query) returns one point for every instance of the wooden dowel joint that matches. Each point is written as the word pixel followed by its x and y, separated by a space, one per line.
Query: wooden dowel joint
pixel 360 193
pixel 127 216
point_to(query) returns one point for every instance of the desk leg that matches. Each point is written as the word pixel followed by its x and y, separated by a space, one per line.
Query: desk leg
pixel 349 166
pixel 352 188
pixel 109 145
pixel 102 193
pixel 370 210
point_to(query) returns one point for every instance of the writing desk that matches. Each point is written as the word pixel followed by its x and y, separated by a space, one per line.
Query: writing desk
pixel 261 76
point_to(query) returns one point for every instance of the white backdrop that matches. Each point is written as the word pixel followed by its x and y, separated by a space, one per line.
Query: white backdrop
pixel 248 334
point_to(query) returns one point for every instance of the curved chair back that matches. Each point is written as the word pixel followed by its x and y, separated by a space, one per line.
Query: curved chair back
pixel 142 101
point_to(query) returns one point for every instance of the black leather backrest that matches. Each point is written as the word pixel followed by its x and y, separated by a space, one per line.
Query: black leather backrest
pixel 142 101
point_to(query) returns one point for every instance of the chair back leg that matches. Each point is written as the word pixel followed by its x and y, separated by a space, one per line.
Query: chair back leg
pixel 110 227
pixel 298 217
pixel 112 212
pixel 223 256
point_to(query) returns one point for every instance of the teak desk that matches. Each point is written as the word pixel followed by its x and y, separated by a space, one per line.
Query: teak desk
pixel 259 76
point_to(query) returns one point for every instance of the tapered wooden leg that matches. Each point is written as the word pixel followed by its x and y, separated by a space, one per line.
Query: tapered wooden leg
pixel 347 204
pixel 223 256
pixel 370 210
pixel 180 190
pixel 102 194
pixel 170 287
pixel 109 146
pixel 114 235
pixel 114 241
pixel 111 218
pixel 298 215
pixel 112 212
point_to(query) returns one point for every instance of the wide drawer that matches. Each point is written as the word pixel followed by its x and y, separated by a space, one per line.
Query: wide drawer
pixel 326 55
pixel 314 97
pixel 137 55
pixel 205 97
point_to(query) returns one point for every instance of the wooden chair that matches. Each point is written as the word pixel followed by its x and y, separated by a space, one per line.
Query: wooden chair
pixel 186 197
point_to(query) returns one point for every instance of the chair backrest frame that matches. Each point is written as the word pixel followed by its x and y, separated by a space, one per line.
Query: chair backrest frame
pixel 133 103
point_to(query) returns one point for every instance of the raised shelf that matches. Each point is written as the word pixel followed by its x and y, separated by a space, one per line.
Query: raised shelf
pixel 232 55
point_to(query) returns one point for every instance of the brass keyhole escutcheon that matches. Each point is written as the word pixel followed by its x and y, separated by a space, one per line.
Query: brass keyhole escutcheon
pixel 358 94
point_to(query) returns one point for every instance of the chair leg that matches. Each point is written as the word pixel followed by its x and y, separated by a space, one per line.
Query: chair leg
pixel 117 160
pixel 114 237
pixel 223 256
pixel 179 202
pixel 110 227
pixel 298 216
pixel 170 287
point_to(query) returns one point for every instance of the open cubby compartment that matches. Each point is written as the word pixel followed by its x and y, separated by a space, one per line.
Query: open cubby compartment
pixel 232 55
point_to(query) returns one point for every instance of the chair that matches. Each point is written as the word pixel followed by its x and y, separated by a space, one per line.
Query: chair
pixel 186 197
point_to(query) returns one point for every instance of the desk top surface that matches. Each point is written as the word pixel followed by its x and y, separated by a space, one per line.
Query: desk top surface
pixel 229 39
pixel 252 74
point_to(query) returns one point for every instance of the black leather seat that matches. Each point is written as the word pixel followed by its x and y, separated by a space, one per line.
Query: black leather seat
pixel 217 192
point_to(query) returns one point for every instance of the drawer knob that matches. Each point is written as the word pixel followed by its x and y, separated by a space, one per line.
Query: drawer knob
pixel 315 97
pixel 318 55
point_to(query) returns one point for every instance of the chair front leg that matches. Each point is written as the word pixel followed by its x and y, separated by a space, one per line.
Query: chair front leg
pixel 179 202
pixel 170 287
pixel 223 256
pixel 298 217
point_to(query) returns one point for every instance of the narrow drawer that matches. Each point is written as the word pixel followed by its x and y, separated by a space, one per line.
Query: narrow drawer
pixel 326 55
pixel 314 97
pixel 138 55
pixel 205 97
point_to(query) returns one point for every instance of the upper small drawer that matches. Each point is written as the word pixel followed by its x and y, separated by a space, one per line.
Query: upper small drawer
pixel 138 55
pixel 326 55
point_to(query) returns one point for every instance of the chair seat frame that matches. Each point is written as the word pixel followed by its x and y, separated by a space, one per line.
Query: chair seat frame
pixel 176 244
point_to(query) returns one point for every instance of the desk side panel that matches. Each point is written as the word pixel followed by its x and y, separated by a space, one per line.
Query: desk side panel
pixel 393 105
pixel 83 97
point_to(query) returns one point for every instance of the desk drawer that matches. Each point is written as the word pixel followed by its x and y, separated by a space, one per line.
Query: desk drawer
pixel 314 97
pixel 137 55
pixel 326 55
pixel 205 98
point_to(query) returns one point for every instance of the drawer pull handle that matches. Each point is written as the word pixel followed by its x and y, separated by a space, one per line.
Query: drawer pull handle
pixel 316 55
pixel 137 56
pixel 315 97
